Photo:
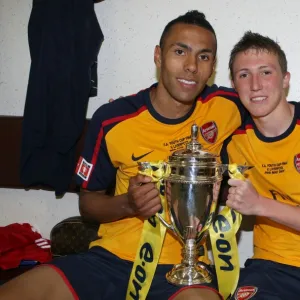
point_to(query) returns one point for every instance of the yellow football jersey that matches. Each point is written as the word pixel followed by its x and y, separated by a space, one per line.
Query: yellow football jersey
pixel 129 130
pixel 276 175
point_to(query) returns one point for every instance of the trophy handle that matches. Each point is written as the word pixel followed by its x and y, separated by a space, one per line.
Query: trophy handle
pixel 169 226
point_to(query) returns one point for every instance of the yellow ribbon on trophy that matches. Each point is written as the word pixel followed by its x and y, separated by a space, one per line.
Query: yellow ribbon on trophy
pixel 151 240
pixel 224 244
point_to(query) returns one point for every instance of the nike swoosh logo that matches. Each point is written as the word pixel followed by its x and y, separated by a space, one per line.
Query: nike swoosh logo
pixel 136 158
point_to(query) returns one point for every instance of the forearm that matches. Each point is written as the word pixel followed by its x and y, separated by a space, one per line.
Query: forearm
pixel 98 206
pixel 281 213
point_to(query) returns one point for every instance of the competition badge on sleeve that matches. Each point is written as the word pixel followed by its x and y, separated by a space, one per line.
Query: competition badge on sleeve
pixel 83 169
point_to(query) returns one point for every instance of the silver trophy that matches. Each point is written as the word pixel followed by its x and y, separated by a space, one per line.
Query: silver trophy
pixel 192 190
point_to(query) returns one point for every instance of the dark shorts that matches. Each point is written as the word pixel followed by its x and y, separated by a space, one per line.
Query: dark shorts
pixel 98 274
pixel 268 280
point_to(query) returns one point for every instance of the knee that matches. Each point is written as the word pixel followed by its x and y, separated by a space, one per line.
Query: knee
pixel 42 282
pixel 197 294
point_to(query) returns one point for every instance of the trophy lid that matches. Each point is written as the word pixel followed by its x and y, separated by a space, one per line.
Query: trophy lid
pixel 193 152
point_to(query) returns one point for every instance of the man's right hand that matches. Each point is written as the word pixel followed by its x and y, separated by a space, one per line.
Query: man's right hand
pixel 143 196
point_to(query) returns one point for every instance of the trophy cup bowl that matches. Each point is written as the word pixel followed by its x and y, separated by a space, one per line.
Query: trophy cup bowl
pixel 192 194
pixel 191 190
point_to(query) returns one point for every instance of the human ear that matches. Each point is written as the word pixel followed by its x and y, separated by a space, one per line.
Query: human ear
pixel 286 80
pixel 157 56
pixel 232 84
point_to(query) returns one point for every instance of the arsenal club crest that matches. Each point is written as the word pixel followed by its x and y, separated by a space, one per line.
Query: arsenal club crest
pixel 245 292
pixel 297 162
pixel 209 132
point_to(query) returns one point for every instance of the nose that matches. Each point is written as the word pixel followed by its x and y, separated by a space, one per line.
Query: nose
pixel 191 64
pixel 255 83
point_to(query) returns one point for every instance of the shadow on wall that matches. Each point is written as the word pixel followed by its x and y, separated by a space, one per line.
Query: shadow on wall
pixel 247 223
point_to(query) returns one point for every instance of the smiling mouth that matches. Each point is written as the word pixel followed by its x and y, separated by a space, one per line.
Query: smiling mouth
pixel 187 82
pixel 258 99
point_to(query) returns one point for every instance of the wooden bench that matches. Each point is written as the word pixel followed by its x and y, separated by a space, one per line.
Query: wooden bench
pixel 10 137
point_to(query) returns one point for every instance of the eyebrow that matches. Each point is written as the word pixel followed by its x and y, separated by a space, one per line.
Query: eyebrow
pixel 185 46
pixel 260 68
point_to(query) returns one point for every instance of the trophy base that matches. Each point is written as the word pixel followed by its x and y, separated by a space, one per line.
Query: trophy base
pixel 183 274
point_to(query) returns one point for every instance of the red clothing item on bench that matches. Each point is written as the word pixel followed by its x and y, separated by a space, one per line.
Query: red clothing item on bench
pixel 22 242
